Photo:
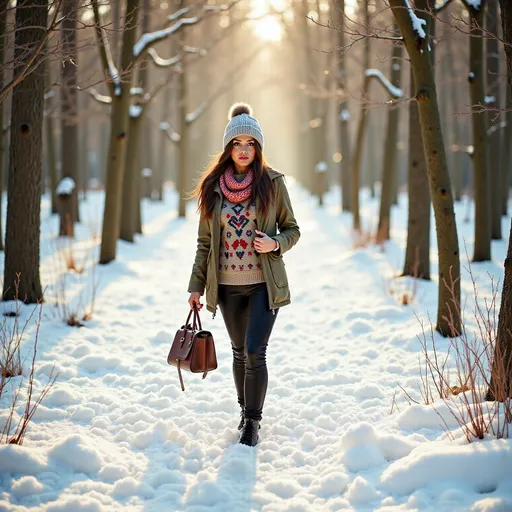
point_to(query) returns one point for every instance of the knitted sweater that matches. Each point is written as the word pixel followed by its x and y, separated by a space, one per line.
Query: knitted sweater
pixel 238 262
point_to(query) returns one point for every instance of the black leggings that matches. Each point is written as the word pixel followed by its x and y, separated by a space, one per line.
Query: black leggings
pixel 249 322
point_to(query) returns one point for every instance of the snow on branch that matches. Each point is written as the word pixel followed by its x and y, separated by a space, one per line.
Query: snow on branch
pixel 170 132
pixel 192 116
pixel 475 4
pixel 100 98
pixel 395 92
pixel 154 37
pixel 417 23
pixel 180 12
pixel 192 49
pixel 135 111
pixel 151 38
pixel 163 63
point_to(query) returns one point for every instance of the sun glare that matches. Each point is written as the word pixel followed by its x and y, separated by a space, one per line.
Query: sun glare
pixel 267 26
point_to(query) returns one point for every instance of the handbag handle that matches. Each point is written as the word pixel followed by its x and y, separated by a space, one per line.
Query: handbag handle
pixel 197 320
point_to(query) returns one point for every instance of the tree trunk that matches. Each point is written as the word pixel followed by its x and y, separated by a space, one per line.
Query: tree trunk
pixel 118 138
pixel 164 141
pixel 130 182
pixel 69 112
pixel 503 350
pixel 344 116
pixel 507 153
pixel 357 156
pixel 482 249
pixel 457 154
pixel 417 253
pixel 439 180
pixel 389 170
pixel 492 71
pixel 3 19
pixel 182 177
pixel 25 162
pixel 51 157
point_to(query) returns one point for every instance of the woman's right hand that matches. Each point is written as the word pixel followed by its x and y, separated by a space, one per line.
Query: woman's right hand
pixel 195 298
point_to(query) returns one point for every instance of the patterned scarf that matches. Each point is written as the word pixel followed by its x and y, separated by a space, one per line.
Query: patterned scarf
pixel 234 191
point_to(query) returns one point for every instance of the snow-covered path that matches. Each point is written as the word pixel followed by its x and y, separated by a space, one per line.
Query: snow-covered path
pixel 117 433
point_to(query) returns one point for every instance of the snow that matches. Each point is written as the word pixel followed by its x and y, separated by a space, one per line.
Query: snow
pixel 345 115
pixel 117 433
pixel 150 38
pixel 396 92
pixel 417 23
pixel 65 187
pixel 135 111
pixel 474 3
pixel 321 167
pixel 163 63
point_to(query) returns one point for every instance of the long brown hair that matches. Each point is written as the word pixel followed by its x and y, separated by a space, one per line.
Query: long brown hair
pixel 261 183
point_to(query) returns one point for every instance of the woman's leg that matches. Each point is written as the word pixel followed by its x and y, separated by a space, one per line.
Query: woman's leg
pixel 259 327
pixel 234 306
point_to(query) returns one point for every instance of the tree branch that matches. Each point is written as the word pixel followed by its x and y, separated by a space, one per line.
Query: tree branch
pixel 100 98
pixel 393 91
pixel 28 68
pixel 104 49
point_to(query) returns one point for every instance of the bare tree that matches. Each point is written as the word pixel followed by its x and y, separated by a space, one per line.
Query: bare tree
pixel 503 354
pixel 389 170
pixel 25 170
pixel 492 72
pixel 69 115
pixel 482 249
pixel 416 43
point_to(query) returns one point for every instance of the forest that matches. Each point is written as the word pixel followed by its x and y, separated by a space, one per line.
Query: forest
pixel 377 112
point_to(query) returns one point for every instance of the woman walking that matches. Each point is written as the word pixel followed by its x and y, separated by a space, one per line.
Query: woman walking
pixel 246 225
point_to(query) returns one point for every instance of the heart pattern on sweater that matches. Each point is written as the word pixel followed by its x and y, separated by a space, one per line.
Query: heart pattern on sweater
pixel 238 224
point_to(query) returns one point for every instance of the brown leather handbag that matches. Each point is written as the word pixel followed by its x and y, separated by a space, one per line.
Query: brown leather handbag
pixel 193 349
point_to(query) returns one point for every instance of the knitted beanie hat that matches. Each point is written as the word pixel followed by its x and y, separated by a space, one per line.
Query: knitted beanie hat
pixel 241 122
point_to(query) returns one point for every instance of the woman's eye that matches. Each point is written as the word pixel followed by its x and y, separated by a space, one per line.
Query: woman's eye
pixel 251 143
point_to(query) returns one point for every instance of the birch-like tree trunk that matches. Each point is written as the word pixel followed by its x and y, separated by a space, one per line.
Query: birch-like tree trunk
pixel 417 252
pixel 23 225
pixel 182 175
pixel 344 115
pixel 69 114
pixel 357 156
pixel 481 185
pixel 417 47
pixel 503 352
pixel 51 157
pixel 455 134
pixel 118 139
pixel 131 182
pixel 3 19
pixel 507 153
pixel 389 169
pixel 492 71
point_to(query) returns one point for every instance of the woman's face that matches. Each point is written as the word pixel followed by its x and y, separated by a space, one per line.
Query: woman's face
pixel 243 151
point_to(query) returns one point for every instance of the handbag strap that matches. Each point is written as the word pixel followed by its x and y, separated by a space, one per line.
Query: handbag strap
pixel 205 357
pixel 197 320
pixel 180 376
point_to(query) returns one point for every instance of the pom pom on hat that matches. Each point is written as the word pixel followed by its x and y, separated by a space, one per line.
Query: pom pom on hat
pixel 242 122
pixel 239 108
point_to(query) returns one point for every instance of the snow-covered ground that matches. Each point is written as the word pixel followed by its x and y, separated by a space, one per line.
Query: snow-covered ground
pixel 117 433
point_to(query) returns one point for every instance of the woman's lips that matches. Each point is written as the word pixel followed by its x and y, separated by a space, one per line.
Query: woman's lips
pixel 243 158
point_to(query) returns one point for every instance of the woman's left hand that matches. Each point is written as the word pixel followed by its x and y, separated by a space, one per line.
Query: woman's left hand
pixel 263 243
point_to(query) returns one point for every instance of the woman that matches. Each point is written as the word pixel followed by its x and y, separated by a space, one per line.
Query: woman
pixel 239 255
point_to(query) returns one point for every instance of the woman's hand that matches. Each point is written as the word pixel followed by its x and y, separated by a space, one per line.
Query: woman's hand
pixel 264 243
pixel 195 298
